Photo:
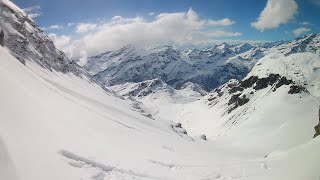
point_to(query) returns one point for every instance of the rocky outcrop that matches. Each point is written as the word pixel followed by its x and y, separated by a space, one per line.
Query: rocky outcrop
pixel 295 89
pixel 1 37
pixel 317 127
pixel 239 93
pixel 27 42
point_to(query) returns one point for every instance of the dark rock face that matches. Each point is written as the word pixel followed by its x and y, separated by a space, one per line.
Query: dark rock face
pixel 317 127
pixel 242 101
pixel 265 82
pixel 204 137
pixel 236 89
pixel 1 37
pixel 177 127
pixel 238 98
pixel 233 99
pixel 237 101
pixel 249 82
pixel 283 81
pixel 295 89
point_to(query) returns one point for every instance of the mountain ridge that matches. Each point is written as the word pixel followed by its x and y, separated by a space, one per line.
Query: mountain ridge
pixel 28 43
pixel 208 67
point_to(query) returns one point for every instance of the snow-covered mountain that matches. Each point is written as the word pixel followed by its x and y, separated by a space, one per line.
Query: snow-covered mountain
pixel 275 81
pixel 59 125
pixel 202 67
pixel 28 43
pixel 209 67
pixel 275 107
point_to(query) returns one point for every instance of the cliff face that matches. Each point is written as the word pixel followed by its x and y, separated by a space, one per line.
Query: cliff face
pixel 317 127
pixel 1 37
pixel 28 43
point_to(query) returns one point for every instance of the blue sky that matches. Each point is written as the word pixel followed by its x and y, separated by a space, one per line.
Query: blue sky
pixel 205 21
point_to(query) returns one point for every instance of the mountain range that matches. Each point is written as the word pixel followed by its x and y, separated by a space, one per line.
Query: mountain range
pixel 209 67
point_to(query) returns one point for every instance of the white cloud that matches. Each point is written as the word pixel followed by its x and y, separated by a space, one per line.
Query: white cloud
pixel 33 12
pixel 61 42
pixel 222 22
pixel 85 27
pixel 275 13
pixel 300 31
pixel 151 13
pixel 55 27
pixel 178 29
pixel 224 34
pixel 305 23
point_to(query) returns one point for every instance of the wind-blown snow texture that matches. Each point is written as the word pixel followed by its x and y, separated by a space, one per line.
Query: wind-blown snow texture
pixel 58 125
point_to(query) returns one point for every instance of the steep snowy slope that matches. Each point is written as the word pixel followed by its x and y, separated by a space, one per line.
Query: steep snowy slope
pixel 58 126
pixel 27 42
pixel 280 97
pixel 271 113
pixel 48 118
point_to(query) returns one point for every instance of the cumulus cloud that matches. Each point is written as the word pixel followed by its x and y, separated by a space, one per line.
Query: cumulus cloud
pixel 55 27
pixel 300 31
pixel 275 13
pixel 222 22
pixel 305 23
pixel 85 27
pixel 178 29
pixel 60 41
pixel 33 12
pixel 74 49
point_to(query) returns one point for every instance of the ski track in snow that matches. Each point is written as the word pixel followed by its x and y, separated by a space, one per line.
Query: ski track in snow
pixel 82 162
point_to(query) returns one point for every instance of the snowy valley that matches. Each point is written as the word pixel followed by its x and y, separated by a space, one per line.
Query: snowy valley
pixel 157 113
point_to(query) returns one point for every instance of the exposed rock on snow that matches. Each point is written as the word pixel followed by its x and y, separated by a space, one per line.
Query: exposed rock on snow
pixel 317 127
pixel 27 42
pixel 254 83
pixel 1 37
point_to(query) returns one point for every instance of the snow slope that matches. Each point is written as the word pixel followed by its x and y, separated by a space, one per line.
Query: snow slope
pixel 69 128
pixel 78 118
pixel 274 112
pixel 58 126
pixel 58 123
